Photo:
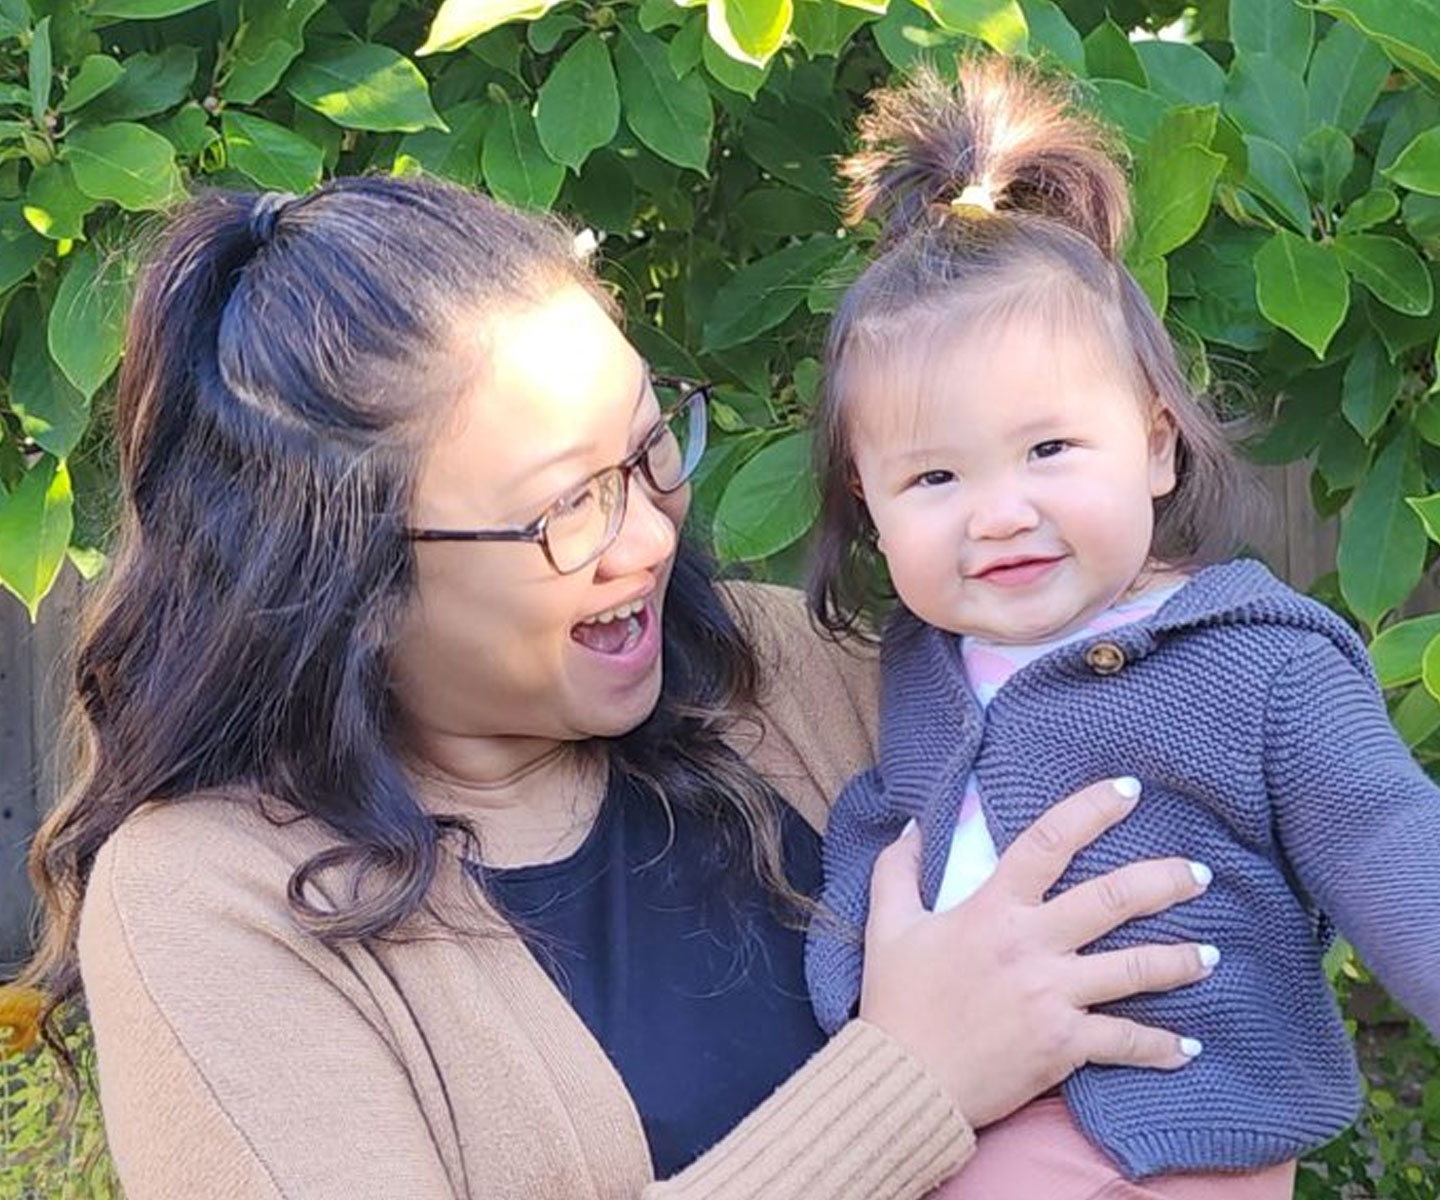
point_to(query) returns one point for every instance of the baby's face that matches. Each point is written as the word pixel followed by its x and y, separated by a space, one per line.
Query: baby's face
pixel 1012 480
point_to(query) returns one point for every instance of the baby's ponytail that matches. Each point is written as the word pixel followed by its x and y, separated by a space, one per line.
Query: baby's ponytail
pixel 1002 139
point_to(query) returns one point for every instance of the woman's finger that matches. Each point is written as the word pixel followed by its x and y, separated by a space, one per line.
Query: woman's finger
pixel 1089 910
pixel 895 884
pixel 1037 858
pixel 1118 1042
pixel 1117 974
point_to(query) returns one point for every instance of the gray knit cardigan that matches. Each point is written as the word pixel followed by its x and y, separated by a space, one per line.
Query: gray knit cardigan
pixel 1252 717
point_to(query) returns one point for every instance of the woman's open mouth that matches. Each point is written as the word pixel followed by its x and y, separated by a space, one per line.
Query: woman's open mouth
pixel 615 631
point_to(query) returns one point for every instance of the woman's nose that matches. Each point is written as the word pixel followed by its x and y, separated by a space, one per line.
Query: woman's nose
pixel 647 536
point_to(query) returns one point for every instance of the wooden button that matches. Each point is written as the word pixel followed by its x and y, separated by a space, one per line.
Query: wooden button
pixel 1105 658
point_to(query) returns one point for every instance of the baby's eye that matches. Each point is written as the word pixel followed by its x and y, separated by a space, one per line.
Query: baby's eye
pixel 1049 449
pixel 929 479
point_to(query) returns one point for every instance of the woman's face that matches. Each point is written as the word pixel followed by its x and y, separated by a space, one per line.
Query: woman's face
pixel 497 644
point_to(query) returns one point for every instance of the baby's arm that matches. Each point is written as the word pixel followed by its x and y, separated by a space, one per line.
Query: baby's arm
pixel 1358 819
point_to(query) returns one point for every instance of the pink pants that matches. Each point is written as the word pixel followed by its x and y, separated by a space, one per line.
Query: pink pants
pixel 1039 1154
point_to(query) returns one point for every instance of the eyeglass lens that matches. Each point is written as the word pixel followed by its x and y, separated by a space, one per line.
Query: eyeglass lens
pixel 581 525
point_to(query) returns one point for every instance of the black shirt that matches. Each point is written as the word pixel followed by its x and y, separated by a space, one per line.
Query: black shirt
pixel 697 994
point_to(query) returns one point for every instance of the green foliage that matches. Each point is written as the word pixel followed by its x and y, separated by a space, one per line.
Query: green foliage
pixel 34 1161
pixel 1286 161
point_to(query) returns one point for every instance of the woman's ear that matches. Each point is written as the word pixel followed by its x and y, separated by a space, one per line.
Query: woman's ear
pixel 1163 438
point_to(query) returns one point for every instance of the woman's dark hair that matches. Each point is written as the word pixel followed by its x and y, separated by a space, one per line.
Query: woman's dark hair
pixel 997 197
pixel 286 361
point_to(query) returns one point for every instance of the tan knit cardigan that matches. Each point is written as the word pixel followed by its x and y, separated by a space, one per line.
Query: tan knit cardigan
pixel 242 1058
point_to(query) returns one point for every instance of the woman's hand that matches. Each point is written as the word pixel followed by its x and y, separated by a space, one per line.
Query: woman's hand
pixel 992 995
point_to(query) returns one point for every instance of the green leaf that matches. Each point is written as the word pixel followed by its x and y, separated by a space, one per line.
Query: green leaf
pixel 1224 310
pixel 1418 167
pixel 97 73
pixel 796 150
pixel 1324 160
pixel 907 34
pixel 363 86
pixel 87 319
pixel 1346 75
pixel 1302 288
pixel 671 117
pixel 604 194
pixel 769 503
pixel 1110 55
pixel 127 163
pixel 514 163
pixel 459 21
pixel 686 47
pixel 1153 276
pixel 454 154
pixel 579 106
pixel 1000 24
pixel 749 31
pixel 150 84
pixel 1266 98
pixel 1367 211
pixel 1389 270
pixel 1430 668
pixel 1051 33
pixel 1172 197
pixel 1133 109
pixel 270 154
pixel 546 32
pixel 1370 388
pixel 1407 30
pixel 51 409
pixel 730 72
pixel 1278 28
pixel 1343 456
pixel 14 18
pixel 1416 717
pixel 1399 331
pixel 271 37
pixel 38 72
pixel 143 10
pixel 189 131
pixel 1274 179
pixel 1382 541
pixel 20 246
pixel 1428 510
pixel 1397 651
pixel 783 212
pixel 834 280
pixel 54 207
pixel 35 523
pixel 823 27
pixel 763 293
pixel 1421 215
pixel 1181 73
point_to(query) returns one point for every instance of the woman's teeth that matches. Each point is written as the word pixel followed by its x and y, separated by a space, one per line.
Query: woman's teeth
pixel 619 613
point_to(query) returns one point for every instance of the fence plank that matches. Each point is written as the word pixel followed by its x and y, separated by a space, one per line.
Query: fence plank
pixel 19 804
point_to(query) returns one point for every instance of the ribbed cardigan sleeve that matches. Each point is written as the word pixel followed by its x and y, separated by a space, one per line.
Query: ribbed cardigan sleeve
pixel 1358 819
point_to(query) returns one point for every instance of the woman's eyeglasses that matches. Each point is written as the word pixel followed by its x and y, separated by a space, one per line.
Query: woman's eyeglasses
pixel 583 523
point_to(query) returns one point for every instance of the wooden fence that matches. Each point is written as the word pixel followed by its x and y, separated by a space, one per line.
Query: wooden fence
pixel 33 681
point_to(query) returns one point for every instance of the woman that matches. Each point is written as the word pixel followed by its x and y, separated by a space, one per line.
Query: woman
pixel 431 843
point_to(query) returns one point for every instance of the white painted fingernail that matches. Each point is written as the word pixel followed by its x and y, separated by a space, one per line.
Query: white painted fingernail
pixel 1191 1047
pixel 1127 785
pixel 1203 874
pixel 1209 957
